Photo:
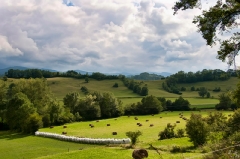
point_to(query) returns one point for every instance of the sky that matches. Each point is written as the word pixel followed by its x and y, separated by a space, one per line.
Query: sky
pixel 106 36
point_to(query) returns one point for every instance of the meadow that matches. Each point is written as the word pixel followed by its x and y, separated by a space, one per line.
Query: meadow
pixel 24 146
pixel 20 146
pixel 61 86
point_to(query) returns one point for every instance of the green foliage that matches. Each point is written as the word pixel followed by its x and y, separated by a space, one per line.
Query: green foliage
pixel 84 89
pixel 236 95
pixel 136 86
pixel 233 123
pixel 168 132
pixel 109 105
pixel 217 89
pixel 71 100
pixel 19 111
pixel 197 130
pixel 133 136
pixel 179 104
pixel 217 121
pixel 180 133
pixel 225 102
pixel 192 88
pixel 208 95
pixel 86 79
pixel 163 102
pixel 222 17
pixel 115 85
pixel 202 92
pixel 33 123
pixel 4 78
pixel 147 76
pixel 88 108
pixel 150 105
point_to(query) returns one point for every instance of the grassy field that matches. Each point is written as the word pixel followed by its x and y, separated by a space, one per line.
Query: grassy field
pixel 61 86
pixel 14 146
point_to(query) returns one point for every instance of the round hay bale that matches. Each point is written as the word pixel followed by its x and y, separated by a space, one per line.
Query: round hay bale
pixel 114 133
pixel 139 154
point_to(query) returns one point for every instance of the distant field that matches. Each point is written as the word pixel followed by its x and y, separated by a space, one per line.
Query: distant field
pixel 61 86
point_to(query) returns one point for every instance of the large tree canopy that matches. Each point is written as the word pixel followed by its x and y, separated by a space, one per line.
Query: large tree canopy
pixel 222 17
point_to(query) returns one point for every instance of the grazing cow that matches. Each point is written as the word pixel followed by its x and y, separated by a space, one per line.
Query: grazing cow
pixel 140 154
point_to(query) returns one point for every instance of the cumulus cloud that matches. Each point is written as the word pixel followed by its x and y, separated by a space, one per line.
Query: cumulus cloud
pixel 107 36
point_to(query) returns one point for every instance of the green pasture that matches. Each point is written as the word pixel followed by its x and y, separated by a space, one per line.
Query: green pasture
pixel 61 86
pixel 14 146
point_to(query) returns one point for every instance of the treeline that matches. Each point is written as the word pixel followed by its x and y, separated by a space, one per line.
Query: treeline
pixel 137 87
pixel 199 76
pixel 154 105
pixel 170 84
pixel 37 73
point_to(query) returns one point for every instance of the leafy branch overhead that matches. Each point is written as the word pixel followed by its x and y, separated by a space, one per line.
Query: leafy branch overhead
pixel 222 17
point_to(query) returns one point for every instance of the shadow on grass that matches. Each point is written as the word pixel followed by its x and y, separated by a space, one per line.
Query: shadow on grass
pixel 8 135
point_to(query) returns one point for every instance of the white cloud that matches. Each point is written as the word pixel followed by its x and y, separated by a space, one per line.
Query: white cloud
pixel 106 36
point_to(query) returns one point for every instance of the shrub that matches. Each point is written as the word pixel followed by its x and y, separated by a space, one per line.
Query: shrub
pixel 167 133
pixel 115 85
pixel 133 136
pixel 180 133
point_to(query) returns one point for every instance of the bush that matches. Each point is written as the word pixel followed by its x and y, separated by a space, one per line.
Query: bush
pixel 133 136
pixel 197 130
pixel 115 85
pixel 180 133
pixel 167 133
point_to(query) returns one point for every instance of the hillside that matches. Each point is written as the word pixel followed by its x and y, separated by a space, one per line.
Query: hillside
pixel 61 86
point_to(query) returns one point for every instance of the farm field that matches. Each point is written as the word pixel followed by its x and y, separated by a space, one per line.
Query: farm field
pixel 61 86
pixel 22 146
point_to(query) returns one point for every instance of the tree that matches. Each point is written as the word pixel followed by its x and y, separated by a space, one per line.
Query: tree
pixel 202 91
pixel 5 78
pixel 197 129
pixel 144 91
pixel 109 105
pixel 150 105
pixel 115 85
pixel 163 102
pixel 36 90
pixel 88 108
pixel 86 79
pixel 180 104
pixel 221 17
pixel 71 100
pixel 208 95
pixel 19 110
pixel 224 102
pixel 233 123
pixel 3 100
